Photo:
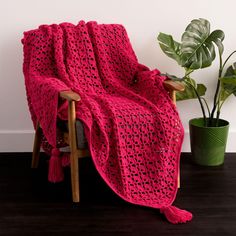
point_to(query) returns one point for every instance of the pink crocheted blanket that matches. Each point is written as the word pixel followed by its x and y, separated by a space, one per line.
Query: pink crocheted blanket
pixel 132 127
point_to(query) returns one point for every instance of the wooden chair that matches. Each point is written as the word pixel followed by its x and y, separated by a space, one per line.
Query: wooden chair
pixel 71 139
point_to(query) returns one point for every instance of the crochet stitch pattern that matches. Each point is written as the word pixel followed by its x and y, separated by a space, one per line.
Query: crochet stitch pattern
pixel 133 129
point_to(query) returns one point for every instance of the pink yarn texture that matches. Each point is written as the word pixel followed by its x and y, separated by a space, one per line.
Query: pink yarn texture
pixel 132 127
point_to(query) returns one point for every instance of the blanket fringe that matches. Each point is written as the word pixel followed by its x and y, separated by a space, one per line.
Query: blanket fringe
pixel 65 159
pixel 175 215
pixel 55 172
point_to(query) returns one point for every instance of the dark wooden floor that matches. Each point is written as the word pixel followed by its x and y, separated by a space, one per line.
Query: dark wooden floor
pixel 29 205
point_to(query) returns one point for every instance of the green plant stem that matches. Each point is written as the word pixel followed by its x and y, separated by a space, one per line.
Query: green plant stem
pixel 186 77
pixel 217 96
pixel 208 109
pixel 200 101
pixel 218 111
pixel 228 59
pixel 188 72
pixel 217 118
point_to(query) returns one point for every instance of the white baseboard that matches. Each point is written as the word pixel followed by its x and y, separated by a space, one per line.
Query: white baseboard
pixel 16 140
pixel 22 141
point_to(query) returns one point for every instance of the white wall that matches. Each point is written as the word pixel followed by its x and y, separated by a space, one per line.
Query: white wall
pixel 142 19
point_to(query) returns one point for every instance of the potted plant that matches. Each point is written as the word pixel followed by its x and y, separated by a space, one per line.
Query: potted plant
pixel 197 50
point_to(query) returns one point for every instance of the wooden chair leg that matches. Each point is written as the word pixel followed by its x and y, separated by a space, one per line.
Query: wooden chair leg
pixel 173 96
pixel 36 147
pixel 74 152
pixel 178 180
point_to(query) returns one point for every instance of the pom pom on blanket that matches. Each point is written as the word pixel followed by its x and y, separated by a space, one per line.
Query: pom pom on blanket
pixel 175 215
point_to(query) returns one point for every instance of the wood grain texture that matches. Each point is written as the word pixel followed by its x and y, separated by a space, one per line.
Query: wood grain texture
pixel 73 152
pixel 29 205
pixel 70 96
pixel 173 85
pixel 36 146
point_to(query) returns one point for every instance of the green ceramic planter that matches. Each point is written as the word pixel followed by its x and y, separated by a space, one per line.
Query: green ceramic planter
pixel 208 143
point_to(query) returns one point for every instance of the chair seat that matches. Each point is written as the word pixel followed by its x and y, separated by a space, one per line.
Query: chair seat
pixel 80 136
pixel 81 139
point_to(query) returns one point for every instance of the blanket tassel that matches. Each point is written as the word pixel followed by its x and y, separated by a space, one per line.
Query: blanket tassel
pixel 65 159
pixel 175 215
pixel 55 172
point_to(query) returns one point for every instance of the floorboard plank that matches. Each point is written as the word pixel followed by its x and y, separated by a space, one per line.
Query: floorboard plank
pixel 29 205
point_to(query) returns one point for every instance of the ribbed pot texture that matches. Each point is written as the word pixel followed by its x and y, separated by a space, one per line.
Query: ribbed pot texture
pixel 208 143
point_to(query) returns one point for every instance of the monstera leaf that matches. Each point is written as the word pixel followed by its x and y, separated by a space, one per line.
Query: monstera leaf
pixel 189 92
pixel 170 47
pixel 197 48
pixel 228 83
